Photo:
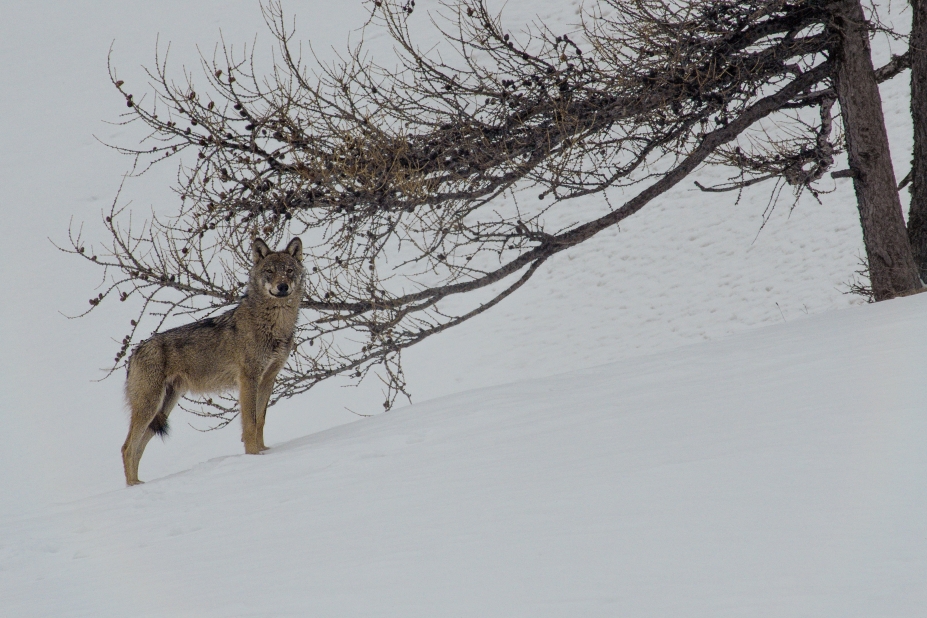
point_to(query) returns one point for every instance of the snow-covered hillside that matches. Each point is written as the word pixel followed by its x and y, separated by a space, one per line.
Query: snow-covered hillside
pixel 778 471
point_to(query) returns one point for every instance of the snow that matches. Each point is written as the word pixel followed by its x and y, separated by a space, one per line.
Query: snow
pixel 682 416
pixel 777 473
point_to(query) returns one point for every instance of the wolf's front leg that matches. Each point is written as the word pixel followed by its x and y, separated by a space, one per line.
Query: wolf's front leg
pixel 265 388
pixel 247 401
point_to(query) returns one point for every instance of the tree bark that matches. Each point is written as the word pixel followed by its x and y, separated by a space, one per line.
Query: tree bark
pixel 917 214
pixel 892 269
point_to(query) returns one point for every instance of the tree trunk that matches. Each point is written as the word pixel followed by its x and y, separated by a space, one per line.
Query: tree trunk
pixel 892 270
pixel 917 215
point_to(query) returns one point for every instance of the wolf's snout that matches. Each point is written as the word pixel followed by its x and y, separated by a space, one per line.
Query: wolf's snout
pixel 283 289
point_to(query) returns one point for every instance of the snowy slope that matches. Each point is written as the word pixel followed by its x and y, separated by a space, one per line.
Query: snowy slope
pixel 777 473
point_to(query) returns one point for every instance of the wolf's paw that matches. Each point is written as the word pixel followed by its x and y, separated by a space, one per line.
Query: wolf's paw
pixel 135 482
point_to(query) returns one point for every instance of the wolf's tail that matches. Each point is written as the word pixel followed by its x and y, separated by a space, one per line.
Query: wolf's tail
pixel 159 423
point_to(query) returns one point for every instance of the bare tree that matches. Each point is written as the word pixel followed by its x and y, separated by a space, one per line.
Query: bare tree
pixel 890 266
pixel 409 185
pixel 917 214
pixel 892 270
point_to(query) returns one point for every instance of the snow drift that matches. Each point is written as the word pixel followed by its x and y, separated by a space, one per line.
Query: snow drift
pixel 777 473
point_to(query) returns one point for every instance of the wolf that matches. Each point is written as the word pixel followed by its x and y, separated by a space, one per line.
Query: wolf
pixel 243 348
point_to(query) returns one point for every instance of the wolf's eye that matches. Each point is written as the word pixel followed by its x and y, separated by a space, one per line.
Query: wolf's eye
pixel 268 271
pixel 290 271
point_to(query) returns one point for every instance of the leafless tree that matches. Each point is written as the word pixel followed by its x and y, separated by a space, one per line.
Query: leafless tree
pixel 892 270
pixel 409 184
pixel 890 266
pixel 917 213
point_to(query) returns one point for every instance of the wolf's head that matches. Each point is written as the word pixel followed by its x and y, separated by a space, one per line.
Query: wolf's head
pixel 277 273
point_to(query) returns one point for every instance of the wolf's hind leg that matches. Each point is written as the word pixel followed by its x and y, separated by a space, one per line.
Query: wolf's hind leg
pixel 132 454
pixel 145 425
pixel 144 403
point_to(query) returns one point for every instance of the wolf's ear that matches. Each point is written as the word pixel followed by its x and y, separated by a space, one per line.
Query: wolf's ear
pixel 295 248
pixel 260 250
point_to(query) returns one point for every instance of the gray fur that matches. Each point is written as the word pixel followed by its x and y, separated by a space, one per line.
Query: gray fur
pixel 241 349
